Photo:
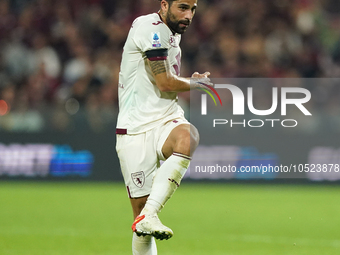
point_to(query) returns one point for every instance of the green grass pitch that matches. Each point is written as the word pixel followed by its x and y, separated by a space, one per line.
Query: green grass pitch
pixel 215 218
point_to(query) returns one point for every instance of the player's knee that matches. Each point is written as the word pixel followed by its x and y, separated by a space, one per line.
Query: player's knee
pixel 187 141
pixel 194 139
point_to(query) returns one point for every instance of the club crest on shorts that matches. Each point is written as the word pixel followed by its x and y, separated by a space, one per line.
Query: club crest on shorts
pixel 138 179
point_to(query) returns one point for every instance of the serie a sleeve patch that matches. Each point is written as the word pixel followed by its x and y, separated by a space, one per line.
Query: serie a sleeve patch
pixel 156 39
pixel 157 54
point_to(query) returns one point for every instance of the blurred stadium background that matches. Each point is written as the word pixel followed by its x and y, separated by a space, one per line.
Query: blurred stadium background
pixel 59 64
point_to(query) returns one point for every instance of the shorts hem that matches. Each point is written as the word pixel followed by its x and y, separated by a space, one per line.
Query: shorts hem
pixel 135 196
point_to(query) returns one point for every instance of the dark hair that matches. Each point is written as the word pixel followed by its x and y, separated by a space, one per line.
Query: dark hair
pixel 169 1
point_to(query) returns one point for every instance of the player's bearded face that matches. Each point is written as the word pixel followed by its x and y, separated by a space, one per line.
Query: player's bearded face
pixel 177 25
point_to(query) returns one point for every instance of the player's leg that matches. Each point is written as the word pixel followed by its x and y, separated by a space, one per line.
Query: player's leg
pixel 137 205
pixel 177 148
pixel 141 245
pixel 183 139
pixel 137 167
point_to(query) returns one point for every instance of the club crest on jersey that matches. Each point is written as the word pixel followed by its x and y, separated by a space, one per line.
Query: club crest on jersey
pixel 174 42
pixel 156 39
pixel 138 179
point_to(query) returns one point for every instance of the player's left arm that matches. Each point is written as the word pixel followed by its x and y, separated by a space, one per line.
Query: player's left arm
pixel 166 81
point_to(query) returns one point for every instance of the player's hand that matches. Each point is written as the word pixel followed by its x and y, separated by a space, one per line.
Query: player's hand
pixel 198 75
pixel 201 80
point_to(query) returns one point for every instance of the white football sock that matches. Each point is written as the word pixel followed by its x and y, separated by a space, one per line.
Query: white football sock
pixel 143 245
pixel 167 179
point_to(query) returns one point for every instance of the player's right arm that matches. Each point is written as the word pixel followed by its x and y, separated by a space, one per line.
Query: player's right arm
pixel 166 81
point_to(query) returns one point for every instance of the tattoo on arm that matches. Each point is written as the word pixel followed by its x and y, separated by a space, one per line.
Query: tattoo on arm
pixel 158 67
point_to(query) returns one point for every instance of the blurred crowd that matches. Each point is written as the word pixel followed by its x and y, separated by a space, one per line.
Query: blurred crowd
pixel 59 59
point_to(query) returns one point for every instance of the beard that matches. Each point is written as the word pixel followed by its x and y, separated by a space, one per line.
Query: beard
pixel 177 26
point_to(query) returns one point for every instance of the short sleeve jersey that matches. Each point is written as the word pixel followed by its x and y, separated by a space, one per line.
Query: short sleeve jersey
pixel 142 106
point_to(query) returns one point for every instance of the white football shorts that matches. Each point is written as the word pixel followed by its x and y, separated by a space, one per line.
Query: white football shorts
pixel 140 156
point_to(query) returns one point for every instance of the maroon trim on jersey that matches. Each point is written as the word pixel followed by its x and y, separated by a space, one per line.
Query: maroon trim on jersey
pixel 121 131
pixel 128 190
pixel 160 17
pixel 158 58
pixel 157 54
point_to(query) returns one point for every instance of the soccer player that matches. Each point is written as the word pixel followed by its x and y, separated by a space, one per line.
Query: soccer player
pixel 151 125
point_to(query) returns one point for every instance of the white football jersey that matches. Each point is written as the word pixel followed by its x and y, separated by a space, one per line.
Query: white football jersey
pixel 142 106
